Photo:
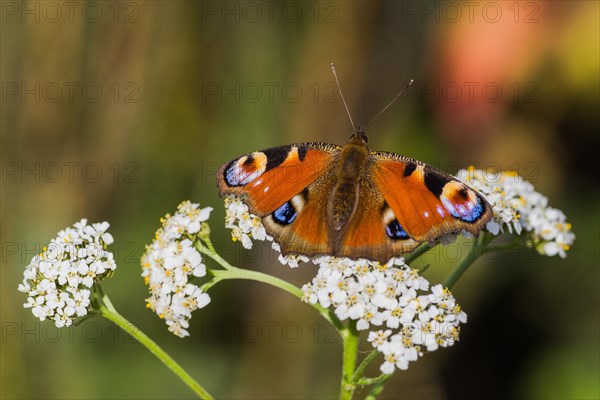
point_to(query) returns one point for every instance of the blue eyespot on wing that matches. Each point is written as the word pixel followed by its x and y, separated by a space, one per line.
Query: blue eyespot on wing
pixel 395 231
pixel 286 214
pixel 469 211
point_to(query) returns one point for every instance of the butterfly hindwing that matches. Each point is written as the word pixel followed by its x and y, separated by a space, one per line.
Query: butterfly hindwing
pixel 300 226
pixel 373 231
pixel 428 203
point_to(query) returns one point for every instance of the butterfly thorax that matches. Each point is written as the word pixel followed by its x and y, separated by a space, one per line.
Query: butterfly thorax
pixel 351 167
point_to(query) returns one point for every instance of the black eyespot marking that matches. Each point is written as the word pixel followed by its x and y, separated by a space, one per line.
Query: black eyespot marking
pixel 302 152
pixel 249 160
pixel 395 231
pixel 435 182
pixel 285 215
pixel 463 193
pixel 276 156
pixel 304 194
pixel 410 168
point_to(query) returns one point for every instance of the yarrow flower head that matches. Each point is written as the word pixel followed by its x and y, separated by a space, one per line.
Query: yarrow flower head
pixel 391 296
pixel 245 227
pixel 58 281
pixel 518 206
pixel 170 262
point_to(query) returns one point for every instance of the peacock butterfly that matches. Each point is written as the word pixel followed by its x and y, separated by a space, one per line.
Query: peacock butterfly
pixel 324 199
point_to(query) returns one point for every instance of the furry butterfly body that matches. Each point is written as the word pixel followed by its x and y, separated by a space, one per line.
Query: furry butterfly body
pixel 319 198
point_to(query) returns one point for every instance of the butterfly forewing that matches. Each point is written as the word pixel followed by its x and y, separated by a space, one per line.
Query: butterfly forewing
pixel 270 178
pixel 427 202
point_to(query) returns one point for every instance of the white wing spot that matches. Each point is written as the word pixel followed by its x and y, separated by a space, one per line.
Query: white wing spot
pixel 388 216
pixel 298 202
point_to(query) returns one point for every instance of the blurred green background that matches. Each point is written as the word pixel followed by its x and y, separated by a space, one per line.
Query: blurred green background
pixel 118 111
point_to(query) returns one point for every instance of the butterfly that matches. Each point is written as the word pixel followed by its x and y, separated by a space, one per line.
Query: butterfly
pixel 349 201
pixel 324 199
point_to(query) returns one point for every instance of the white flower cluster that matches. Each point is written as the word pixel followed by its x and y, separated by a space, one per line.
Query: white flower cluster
pixel 170 261
pixel 58 281
pixel 519 207
pixel 393 296
pixel 245 227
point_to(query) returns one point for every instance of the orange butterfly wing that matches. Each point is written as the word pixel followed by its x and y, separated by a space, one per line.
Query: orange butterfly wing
pixel 276 185
pixel 368 234
pixel 270 177
pixel 404 202
pixel 308 230
pixel 428 203
pixel 401 202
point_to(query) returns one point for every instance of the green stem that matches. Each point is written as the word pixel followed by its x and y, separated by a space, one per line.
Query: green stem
pixel 108 312
pixel 239 273
pixel 364 364
pixel 512 245
pixel 212 282
pixel 209 250
pixel 350 339
pixel 474 253
pixel 372 381
pixel 232 272
pixel 425 247
pixel 378 388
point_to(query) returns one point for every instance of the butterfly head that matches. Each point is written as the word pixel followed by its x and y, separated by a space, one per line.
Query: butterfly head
pixel 359 136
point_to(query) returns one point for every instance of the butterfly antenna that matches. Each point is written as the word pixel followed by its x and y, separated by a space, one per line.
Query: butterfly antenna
pixel 391 102
pixel 342 96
